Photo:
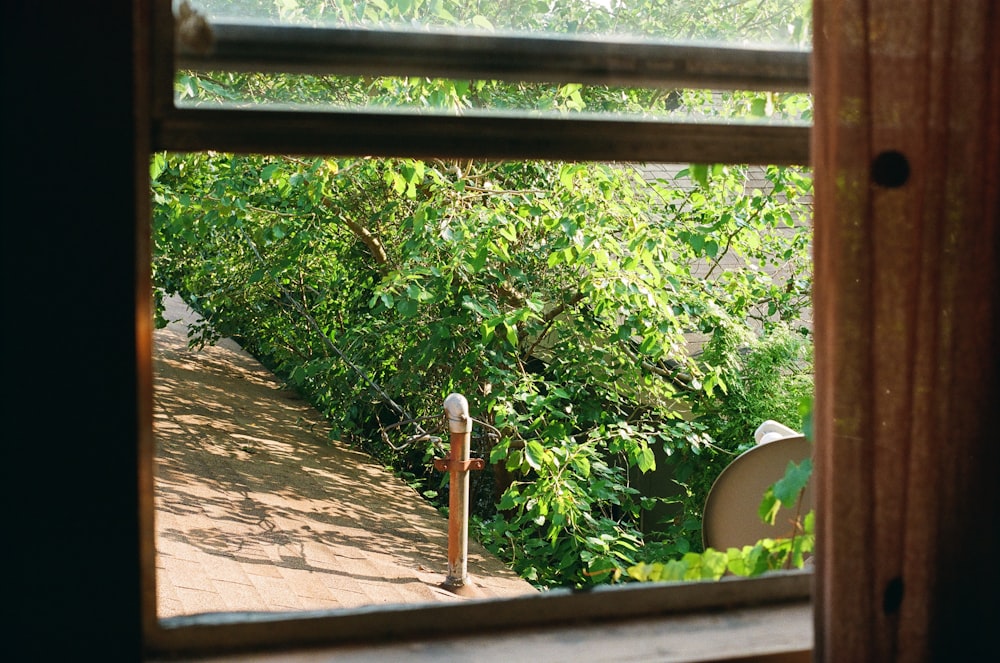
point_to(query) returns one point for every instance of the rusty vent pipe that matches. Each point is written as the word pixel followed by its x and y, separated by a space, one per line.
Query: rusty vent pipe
pixel 458 465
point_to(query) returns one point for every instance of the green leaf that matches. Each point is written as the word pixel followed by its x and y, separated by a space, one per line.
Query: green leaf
pixel 499 452
pixel 643 572
pixel 649 343
pixel 487 331
pixel 566 176
pixel 646 460
pixel 713 563
pixel 787 488
pixel 406 307
pixel 508 232
pixel 769 505
pixel 269 170
pixel 699 173
pixel 511 335
pixel 534 454
pixel 509 500
pixel 806 412
pixel 158 165
pixel 697 242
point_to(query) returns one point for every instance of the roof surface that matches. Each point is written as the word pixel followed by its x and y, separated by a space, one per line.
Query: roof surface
pixel 258 510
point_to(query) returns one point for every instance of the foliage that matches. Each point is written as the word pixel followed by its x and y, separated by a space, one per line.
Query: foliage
pixel 592 318
pixel 548 293
pixel 766 378
pixel 749 561
pixel 740 22
pixel 745 21
pixel 767 554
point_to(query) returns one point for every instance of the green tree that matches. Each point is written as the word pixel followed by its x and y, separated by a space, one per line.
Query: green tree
pixel 558 297
pixel 592 318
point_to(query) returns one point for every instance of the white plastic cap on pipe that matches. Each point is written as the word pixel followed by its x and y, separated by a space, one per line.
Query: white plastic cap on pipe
pixel 769 431
pixel 457 408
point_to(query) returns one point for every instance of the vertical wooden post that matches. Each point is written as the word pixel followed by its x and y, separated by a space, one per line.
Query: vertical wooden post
pixel 907 301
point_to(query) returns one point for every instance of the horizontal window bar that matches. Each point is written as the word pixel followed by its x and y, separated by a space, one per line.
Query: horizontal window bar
pixel 378 624
pixel 485 136
pixel 553 59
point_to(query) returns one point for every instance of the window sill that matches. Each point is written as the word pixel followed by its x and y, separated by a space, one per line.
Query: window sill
pixel 767 634
pixel 776 633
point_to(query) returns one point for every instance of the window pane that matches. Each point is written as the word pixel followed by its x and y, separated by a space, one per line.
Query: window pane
pixel 775 22
pixel 458 97
pixel 581 307
pixel 302 65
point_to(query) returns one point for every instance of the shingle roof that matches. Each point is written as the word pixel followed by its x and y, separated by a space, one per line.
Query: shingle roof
pixel 257 510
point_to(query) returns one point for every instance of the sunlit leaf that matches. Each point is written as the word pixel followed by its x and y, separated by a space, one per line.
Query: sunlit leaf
pixel 699 173
pixel 534 454
pixel 769 506
pixel 646 460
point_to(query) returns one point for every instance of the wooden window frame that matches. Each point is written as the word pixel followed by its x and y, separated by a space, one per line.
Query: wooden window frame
pixel 471 136
pixel 905 156
pixel 484 135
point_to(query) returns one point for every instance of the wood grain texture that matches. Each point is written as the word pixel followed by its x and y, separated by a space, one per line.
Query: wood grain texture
pixel 905 151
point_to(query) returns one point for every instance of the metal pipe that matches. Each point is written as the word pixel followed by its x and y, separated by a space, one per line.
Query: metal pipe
pixel 458 464
pixel 460 427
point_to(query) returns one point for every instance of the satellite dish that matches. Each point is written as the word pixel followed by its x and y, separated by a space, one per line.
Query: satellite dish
pixel 731 517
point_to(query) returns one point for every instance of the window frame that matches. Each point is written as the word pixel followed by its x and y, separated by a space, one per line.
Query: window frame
pixel 480 136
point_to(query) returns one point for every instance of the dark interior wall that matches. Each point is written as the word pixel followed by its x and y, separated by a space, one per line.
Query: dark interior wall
pixel 70 369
